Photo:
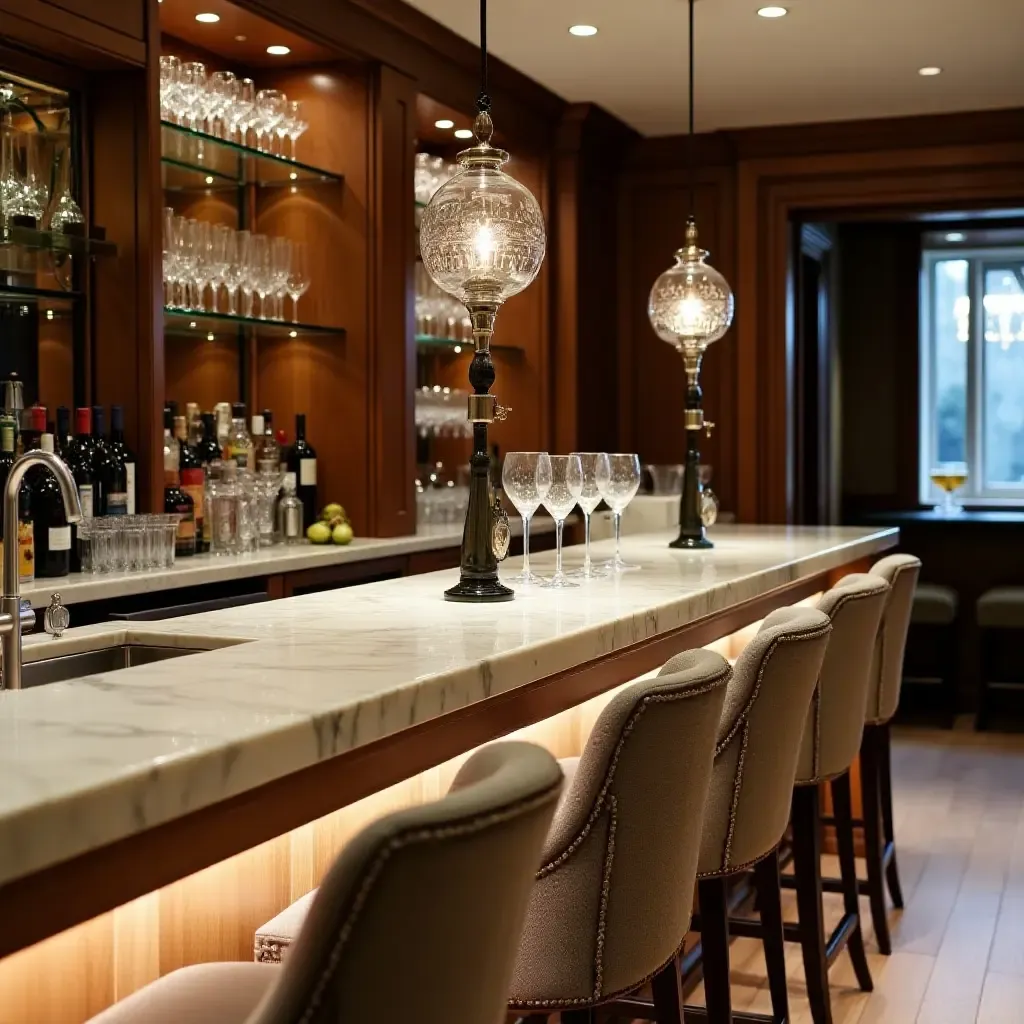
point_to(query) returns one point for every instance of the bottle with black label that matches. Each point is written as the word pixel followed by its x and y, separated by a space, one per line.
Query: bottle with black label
pixel 51 530
pixel 123 453
pixel 192 478
pixel 302 462
pixel 109 475
pixel 175 499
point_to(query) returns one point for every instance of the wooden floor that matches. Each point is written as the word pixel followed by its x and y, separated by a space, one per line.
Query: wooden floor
pixel 958 947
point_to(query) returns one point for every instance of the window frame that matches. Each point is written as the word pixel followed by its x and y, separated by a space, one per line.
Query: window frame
pixel 979 259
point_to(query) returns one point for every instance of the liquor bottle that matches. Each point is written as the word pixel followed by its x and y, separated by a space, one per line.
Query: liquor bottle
pixel 109 475
pixel 124 454
pixel 26 530
pixel 193 422
pixel 289 514
pixel 7 457
pixel 175 499
pixel 302 462
pixel 239 443
pixel 51 530
pixel 192 476
pixel 268 454
pixel 222 417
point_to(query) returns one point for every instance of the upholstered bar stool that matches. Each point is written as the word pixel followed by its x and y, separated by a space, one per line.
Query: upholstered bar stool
pixel 1000 613
pixel 933 617
pixel 759 739
pixel 612 899
pixel 831 740
pixel 453 877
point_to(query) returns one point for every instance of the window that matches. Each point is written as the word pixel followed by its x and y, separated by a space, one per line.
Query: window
pixel 972 380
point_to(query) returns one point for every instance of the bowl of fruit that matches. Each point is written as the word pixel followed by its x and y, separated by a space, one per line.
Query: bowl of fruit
pixel 332 527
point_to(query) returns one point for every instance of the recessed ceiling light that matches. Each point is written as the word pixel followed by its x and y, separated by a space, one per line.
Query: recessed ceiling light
pixel 463 133
pixel 240 39
pixel 209 179
pixel 279 51
pixel 955 236
pixel 583 30
pixel 929 72
pixel 772 12
pixel 444 123
pixel 208 19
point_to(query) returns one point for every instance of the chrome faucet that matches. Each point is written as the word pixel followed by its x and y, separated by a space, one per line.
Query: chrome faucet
pixel 11 617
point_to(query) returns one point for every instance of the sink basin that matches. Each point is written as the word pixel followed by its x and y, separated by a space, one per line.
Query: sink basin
pixel 87 663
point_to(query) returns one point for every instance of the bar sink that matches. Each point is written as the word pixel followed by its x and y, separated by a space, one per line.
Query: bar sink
pixel 106 659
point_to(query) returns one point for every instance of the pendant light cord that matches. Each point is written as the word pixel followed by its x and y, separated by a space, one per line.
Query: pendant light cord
pixel 483 101
pixel 690 147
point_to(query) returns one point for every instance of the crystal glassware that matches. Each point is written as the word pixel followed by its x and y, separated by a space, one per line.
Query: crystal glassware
pixel 296 125
pixel 268 112
pixel 170 72
pixel 526 479
pixel 298 276
pixel 619 490
pixel 280 268
pixel 564 492
pixel 595 475
pixel 949 477
pixel 261 270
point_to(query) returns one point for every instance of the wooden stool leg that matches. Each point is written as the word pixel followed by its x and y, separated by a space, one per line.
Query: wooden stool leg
pixel 892 874
pixel 842 803
pixel 714 941
pixel 984 642
pixel 769 901
pixel 806 821
pixel 584 1016
pixel 667 989
pixel 871 786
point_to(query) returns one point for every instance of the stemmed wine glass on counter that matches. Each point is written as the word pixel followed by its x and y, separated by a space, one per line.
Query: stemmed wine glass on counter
pixel 564 492
pixel 596 472
pixel 526 479
pixel 619 489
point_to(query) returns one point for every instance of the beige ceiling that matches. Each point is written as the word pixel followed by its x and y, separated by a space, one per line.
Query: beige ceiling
pixel 827 60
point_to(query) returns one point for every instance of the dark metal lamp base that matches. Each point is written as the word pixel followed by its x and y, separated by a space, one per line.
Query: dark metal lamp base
pixel 479 591
pixel 691 542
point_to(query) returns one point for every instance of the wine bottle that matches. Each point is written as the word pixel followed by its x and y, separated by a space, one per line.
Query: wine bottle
pixel 79 459
pixel 209 449
pixel 109 475
pixel 124 454
pixel 7 457
pixel 32 440
pixel 175 499
pixel 62 433
pixel 51 530
pixel 302 462
pixel 192 476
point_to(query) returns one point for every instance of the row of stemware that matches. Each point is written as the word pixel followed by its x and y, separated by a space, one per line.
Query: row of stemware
pixel 221 104
pixel 560 483
pixel 198 255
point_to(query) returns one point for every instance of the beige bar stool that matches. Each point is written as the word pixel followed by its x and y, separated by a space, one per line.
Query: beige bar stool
pixel 612 899
pixel 933 618
pixel 748 808
pixel 1000 613
pixel 831 740
pixel 453 877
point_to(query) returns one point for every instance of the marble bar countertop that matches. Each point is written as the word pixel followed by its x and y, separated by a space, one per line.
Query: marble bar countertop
pixel 285 684
pixel 203 569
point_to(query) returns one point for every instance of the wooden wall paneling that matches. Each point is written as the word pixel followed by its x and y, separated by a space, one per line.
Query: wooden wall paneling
pixel 392 501
pixel 126 199
pixel 56 361
pixel 327 377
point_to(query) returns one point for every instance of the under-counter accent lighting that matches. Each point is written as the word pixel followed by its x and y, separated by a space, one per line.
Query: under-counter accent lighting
pixel 456 350
pixel 583 30
pixel 209 336
pixel 279 51
pixel 208 19
pixel 929 72
pixel 772 12
pixel 955 236
pixel 293 175
pixel 463 133
pixel 293 334
pixel 445 122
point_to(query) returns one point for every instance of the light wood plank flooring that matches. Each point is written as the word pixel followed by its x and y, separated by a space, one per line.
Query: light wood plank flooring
pixel 958 947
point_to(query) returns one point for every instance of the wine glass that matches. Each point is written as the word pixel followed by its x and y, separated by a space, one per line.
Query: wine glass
pixel 296 125
pixel 261 270
pixel 200 230
pixel 246 270
pixel 223 90
pixel 595 474
pixel 170 69
pixel 191 90
pixel 618 491
pixel 220 239
pixel 298 276
pixel 270 109
pixel 240 114
pixel 526 478
pixel 185 258
pixel 564 492
pixel 170 257
pixel 281 265
pixel 949 477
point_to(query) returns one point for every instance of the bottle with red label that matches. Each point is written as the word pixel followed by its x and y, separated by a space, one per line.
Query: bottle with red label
pixel 192 475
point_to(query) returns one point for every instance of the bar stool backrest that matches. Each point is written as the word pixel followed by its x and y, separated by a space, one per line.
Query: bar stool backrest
pixel 419 918
pixel 759 739
pixel 835 719
pixel 614 893
pixel 901 573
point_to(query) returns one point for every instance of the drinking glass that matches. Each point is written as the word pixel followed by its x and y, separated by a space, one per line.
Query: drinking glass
pixel 949 477
pixel 170 70
pixel 235 274
pixel 261 270
pixel 185 257
pixel 281 265
pixel 564 492
pixel 595 475
pixel 223 89
pixel 200 230
pixel 296 125
pixel 269 111
pixel 191 90
pixel 220 238
pixel 240 114
pixel 298 276
pixel 619 490
pixel 526 479
pixel 169 256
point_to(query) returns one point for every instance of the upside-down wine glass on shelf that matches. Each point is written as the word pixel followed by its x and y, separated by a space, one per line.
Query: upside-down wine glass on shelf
pixel 566 485
pixel 526 479
pixel 595 475
pixel 619 490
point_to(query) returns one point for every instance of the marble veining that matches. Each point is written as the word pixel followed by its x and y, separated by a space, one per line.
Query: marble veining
pixel 282 685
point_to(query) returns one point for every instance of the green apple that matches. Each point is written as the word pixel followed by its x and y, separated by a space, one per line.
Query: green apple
pixel 332 511
pixel 319 533
pixel 342 534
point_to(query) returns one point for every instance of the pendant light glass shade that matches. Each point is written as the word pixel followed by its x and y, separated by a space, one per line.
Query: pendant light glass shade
pixel 482 234
pixel 691 304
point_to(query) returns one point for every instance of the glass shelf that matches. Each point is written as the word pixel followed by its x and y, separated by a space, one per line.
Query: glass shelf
pixel 196 161
pixel 55 241
pixel 449 345
pixel 180 323
pixel 47 298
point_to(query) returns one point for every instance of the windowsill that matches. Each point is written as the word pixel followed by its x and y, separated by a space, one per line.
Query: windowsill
pixel 973 516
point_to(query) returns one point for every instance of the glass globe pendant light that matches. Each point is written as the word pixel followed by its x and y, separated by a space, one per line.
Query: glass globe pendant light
pixel 482 240
pixel 690 306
